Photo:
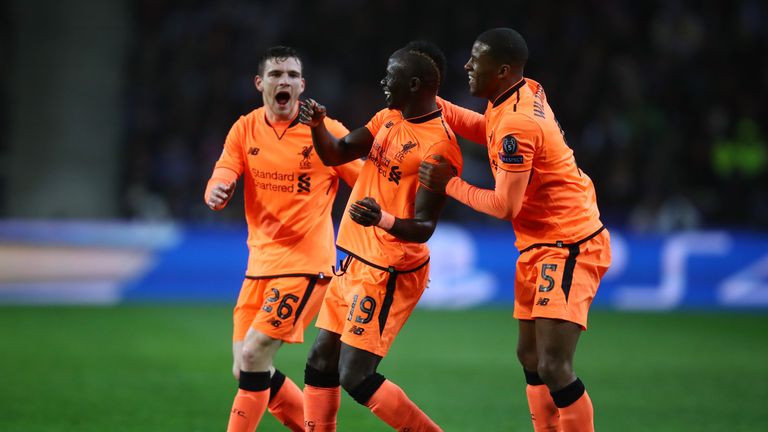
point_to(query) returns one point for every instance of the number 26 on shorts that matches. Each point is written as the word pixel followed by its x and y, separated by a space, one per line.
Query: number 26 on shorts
pixel 284 308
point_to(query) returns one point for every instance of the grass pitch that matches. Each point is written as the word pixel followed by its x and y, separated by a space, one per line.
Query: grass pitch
pixel 167 368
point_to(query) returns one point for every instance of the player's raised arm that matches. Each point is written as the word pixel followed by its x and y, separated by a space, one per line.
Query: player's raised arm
pixel 503 202
pixel 333 151
pixel 464 122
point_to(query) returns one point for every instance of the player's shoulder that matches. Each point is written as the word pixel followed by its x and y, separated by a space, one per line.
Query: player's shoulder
pixel 384 119
pixel 335 127
pixel 519 122
pixel 251 118
pixel 388 113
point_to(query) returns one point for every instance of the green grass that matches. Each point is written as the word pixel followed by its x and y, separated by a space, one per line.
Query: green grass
pixel 167 368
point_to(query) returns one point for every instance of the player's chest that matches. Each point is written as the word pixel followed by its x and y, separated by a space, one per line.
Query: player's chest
pixel 395 153
pixel 292 151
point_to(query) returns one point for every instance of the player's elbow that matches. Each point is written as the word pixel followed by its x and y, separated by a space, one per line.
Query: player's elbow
pixel 424 232
pixel 424 237
pixel 326 159
pixel 514 210
pixel 507 211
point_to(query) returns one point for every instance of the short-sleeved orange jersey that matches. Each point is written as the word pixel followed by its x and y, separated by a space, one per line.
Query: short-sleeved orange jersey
pixel 289 194
pixel 390 176
pixel 559 203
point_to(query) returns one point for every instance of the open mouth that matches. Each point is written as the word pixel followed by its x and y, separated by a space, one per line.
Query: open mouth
pixel 282 98
pixel 387 95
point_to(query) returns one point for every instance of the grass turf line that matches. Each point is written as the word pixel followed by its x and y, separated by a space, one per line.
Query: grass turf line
pixel 167 368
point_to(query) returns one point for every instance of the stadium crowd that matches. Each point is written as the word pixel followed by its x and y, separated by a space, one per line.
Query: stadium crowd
pixel 661 101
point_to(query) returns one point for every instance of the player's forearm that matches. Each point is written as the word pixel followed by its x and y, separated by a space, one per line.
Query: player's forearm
pixel 486 201
pixel 330 150
pixel 413 230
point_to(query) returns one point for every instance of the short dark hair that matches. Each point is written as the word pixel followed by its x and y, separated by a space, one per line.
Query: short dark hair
pixel 430 62
pixel 280 53
pixel 506 46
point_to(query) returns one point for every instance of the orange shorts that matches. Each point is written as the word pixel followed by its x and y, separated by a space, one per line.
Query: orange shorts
pixel 280 307
pixel 560 282
pixel 368 306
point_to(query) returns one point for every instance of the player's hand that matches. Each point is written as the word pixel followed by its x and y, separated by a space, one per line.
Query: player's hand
pixel 435 176
pixel 219 195
pixel 311 113
pixel 366 212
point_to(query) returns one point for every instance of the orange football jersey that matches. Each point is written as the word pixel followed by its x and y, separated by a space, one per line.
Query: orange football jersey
pixel 559 202
pixel 390 176
pixel 523 135
pixel 288 194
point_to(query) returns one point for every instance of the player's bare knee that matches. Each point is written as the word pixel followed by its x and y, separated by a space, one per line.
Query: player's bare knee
pixel 256 349
pixel 350 378
pixel 324 354
pixel 528 358
pixel 321 362
pixel 555 372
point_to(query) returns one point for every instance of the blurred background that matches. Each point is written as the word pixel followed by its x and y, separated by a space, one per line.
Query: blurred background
pixel 112 115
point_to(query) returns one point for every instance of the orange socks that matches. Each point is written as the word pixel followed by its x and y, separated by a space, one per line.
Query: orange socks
pixel 250 402
pixel 320 407
pixel 322 397
pixel 544 413
pixel 575 406
pixel 286 402
pixel 389 403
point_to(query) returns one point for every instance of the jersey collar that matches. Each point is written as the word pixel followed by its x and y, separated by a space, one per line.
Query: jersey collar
pixel 426 117
pixel 509 92
pixel 293 123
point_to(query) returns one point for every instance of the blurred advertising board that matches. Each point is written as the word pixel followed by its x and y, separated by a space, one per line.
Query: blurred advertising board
pixel 111 262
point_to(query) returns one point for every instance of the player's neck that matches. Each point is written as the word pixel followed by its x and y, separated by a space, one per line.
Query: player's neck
pixel 419 108
pixel 275 118
pixel 504 86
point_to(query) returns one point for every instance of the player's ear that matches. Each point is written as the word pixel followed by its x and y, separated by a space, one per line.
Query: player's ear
pixel 259 83
pixel 303 85
pixel 504 70
pixel 415 84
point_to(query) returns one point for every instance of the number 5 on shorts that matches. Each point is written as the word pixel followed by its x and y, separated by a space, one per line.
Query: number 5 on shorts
pixel 548 278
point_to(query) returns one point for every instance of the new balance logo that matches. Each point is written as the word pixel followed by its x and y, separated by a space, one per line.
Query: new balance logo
pixel 395 174
pixel 542 301
pixel 238 412
pixel 389 125
pixel 357 330
pixel 253 151
pixel 304 183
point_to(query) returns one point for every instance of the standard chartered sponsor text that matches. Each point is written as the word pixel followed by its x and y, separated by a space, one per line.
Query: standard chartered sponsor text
pixel 261 180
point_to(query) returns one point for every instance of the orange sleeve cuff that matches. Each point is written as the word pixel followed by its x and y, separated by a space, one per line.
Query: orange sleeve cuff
pixel 483 200
pixel 220 175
